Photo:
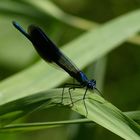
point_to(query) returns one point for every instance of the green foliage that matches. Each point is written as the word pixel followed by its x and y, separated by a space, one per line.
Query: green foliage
pixel 117 70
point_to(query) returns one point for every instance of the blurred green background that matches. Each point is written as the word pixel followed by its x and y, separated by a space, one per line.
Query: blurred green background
pixel 120 68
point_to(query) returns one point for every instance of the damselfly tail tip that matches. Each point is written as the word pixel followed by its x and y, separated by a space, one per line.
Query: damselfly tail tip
pixel 18 27
pixel 15 24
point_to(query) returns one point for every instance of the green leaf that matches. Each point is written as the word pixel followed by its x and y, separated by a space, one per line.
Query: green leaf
pixel 108 116
pixel 92 45
pixel 49 8
pixel 40 77
pixel 99 111
pixel 45 125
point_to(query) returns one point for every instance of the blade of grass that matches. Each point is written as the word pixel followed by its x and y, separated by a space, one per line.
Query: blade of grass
pixel 108 116
pixel 44 125
pixel 92 45
pixel 53 10
pixel 38 126
pixel 99 111
pixel 49 8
